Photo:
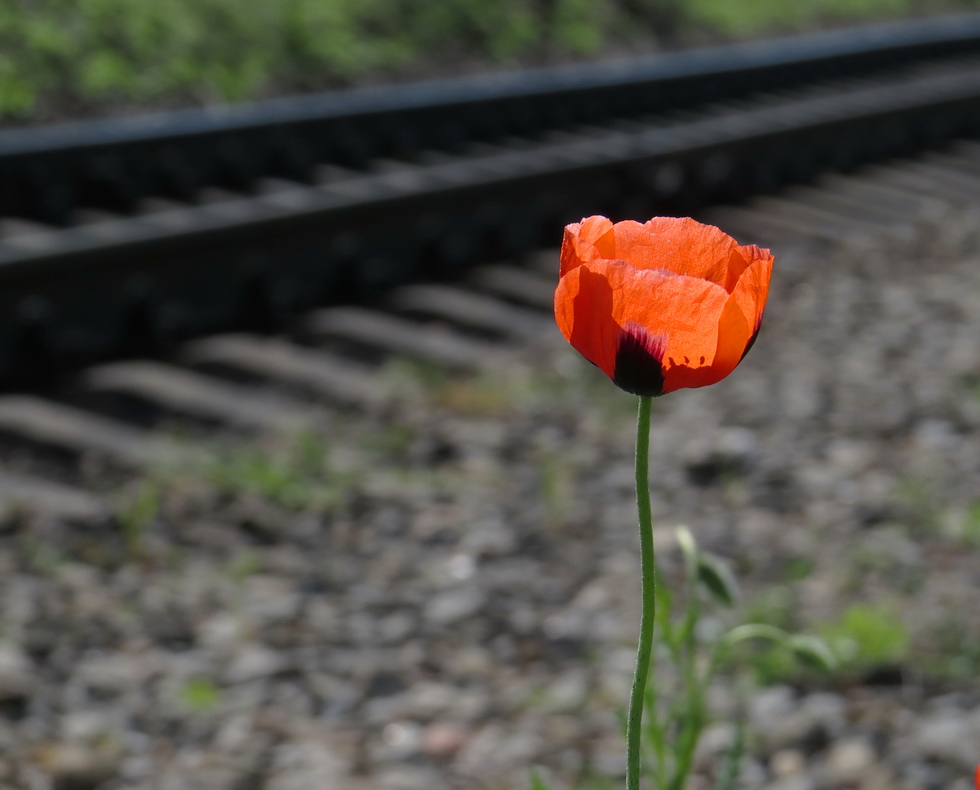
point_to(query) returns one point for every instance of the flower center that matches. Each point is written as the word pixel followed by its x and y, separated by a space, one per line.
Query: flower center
pixel 639 369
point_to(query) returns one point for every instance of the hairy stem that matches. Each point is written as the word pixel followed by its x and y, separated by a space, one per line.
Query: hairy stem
pixel 649 601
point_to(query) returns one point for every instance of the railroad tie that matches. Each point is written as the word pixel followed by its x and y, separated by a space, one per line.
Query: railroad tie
pixel 478 311
pixel 84 433
pixel 964 181
pixel 423 342
pixel 885 199
pixel 965 150
pixel 757 225
pixel 910 178
pixel 320 372
pixel 518 284
pixel 11 227
pixel 48 498
pixel 806 209
pixel 968 167
pixel 204 397
pixel 842 204
pixel 545 262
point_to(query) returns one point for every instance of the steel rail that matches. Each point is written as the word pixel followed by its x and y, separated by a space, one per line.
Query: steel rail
pixel 47 172
pixel 135 285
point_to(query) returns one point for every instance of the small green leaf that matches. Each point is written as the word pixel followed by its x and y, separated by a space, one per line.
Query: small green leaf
pixel 717 577
pixel 812 650
pixel 689 548
pixel 537 783
pixel 748 631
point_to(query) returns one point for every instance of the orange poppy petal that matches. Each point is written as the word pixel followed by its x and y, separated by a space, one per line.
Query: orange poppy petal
pixel 734 334
pixel 752 288
pixel 579 244
pixel 640 326
pixel 738 325
pixel 584 313
pixel 683 246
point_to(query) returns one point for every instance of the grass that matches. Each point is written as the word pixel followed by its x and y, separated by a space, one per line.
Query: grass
pixel 864 636
pixel 745 19
pixel 137 511
pixel 522 388
pixel 954 649
pixel 200 695
pixel 295 475
pixel 70 57
pixel 867 636
pixel 962 524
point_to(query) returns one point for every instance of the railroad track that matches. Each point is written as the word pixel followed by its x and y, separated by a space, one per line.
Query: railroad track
pixel 47 174
pixel 362 264
pixel 122 414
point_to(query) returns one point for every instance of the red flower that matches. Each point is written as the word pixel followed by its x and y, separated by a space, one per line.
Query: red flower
pixel 663 305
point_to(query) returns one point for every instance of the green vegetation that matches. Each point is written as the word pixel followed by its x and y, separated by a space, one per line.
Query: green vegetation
pixel 693 646
pixel 867 636
pixel 295 476
pixel 523 388
pixel 70 57
pixel 953 649
pixel 201 695
pixel 799 568
pixel 556 487
pixel 963 524
pixel 244 565
pixel 744 19
pixel 137 511
pixel 864 636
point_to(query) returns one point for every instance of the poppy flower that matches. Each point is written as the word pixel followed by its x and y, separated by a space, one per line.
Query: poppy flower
pixel 662 305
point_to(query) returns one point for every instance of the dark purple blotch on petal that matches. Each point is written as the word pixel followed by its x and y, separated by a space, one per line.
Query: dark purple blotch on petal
pixel 639 367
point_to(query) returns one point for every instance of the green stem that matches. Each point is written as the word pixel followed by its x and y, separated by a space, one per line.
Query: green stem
pixel 694 715
pixel 731 771
pixel 649 601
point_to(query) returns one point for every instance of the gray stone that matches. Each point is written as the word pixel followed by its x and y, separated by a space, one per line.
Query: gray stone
pixel 567 693
pixel 787 763
pixel 948 735
pixel 797 782
pixel 252 663
pixel 453 606
pixel 17 675
pixel 848 761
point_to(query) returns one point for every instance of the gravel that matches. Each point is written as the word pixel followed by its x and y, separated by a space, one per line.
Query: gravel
pixel 463 604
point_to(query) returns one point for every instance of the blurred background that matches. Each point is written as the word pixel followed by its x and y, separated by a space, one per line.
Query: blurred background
pixel 78 58
pixel 432 588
